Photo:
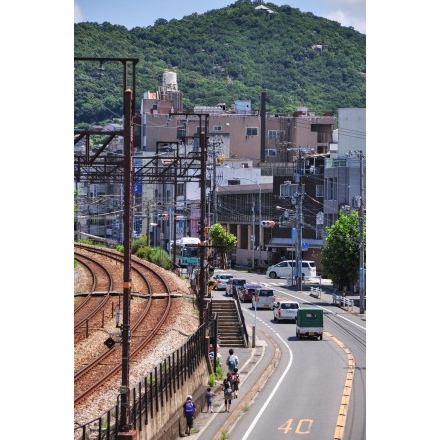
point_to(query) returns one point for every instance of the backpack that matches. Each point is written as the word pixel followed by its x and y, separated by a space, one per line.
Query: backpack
pixel 189 408
pixel 231 362
pixel 227 386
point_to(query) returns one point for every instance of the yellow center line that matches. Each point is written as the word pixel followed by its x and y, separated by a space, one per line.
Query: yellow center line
pixel 343 408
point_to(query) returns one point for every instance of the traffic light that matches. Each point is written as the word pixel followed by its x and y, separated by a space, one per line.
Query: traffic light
pixel 162 216
pixel 267 223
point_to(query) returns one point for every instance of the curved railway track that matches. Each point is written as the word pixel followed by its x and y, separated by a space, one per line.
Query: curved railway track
pixel 89 307
pixel 107 364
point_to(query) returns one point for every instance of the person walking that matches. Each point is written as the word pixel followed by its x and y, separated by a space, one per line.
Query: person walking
pixel 189 409
pixel 232 361
pixel 228 391
pixel 235 382
pixel 209 399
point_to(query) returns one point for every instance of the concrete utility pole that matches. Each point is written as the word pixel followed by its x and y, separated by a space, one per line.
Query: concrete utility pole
pixel 360 155
pixel 260 240
pixel 300 225
pixel 361 239
pixel 253 235
pixel 299 198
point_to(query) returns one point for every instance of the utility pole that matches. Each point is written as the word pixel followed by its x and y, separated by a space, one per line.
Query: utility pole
pixel 253 235
pixel 360 155
pixel 299 197
pixel 361 238
pixel 299 255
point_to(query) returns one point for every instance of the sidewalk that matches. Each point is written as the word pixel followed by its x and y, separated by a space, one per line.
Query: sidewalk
pixel 255 366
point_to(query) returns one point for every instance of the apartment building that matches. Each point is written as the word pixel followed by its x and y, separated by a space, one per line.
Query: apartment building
pixel 255 159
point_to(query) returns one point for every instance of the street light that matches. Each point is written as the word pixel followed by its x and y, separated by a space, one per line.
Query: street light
pixel 360 155
pixel 260 241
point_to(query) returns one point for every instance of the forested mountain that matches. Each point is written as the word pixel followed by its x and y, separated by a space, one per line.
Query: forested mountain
pixel 225 55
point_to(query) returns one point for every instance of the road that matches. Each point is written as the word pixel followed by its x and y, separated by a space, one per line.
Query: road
pixel 315 381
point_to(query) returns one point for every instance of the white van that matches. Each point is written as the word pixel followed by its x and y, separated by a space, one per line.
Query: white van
pixel 284 269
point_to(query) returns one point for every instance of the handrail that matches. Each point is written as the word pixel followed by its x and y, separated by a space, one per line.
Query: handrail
pixel 240 317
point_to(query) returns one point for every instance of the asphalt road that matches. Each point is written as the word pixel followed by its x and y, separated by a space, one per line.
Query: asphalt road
pixel 318 388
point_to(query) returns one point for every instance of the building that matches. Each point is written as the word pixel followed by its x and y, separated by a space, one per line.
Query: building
pixel 279 162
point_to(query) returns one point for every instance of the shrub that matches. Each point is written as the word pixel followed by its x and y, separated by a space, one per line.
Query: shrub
pixel 211 380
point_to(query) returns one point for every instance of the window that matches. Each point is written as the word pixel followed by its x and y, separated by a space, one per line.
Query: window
pixel 181 189
pixel 331 189
pixel 270 152
pixel 251 131
pixel 181 131
pixel 217 128
pixel 288 190
pixel 275 134
pixel 319 190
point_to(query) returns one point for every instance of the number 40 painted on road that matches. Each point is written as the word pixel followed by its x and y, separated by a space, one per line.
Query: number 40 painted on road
pixel 303 426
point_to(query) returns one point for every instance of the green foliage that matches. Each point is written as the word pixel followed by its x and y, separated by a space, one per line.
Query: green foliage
pixel 120 248
pixel 224 435
pixel 222 241
pixel 340 256
pixel 138 243
pixel 219 371
pixel 143 252
pixel 248 52
pixel 154 255
pixel 160 257
pixel 211 380
pixel 86 241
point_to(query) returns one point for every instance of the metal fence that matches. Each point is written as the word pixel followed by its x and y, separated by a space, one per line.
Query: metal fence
pixel 153 391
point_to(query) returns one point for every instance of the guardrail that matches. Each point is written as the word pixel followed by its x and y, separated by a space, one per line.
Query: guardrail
pixel 342 301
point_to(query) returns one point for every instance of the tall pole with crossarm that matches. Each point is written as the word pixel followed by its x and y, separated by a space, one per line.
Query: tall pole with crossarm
pixel 360 155
pixel 260 241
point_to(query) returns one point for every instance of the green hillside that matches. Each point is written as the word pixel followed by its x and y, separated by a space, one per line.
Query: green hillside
pixel 226 55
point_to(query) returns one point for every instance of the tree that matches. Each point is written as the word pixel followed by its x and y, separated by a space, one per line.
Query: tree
pixel 222 241
pixel 340 256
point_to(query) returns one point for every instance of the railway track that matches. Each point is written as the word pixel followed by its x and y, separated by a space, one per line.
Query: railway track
pixel 87 310
pixel 145 324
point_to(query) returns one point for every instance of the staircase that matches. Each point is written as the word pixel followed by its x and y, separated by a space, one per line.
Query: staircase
pixel 230 333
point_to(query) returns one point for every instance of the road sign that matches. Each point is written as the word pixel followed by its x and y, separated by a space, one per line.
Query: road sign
pixel 109 342
pixel 305 245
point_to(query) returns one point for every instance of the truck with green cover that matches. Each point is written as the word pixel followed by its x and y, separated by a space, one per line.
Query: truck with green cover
pixel 309 322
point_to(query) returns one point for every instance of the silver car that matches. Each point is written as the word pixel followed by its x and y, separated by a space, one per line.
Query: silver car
pixel 221 280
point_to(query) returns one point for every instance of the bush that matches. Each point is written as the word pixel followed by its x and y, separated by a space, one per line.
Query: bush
pixel 211 380
pixel 138 243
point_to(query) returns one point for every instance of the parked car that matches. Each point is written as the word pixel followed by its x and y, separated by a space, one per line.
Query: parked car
pixel 221 280
pixel 232 284
pixel 246 292
pixel 285 310
pixel 287 268
pixel 263 299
